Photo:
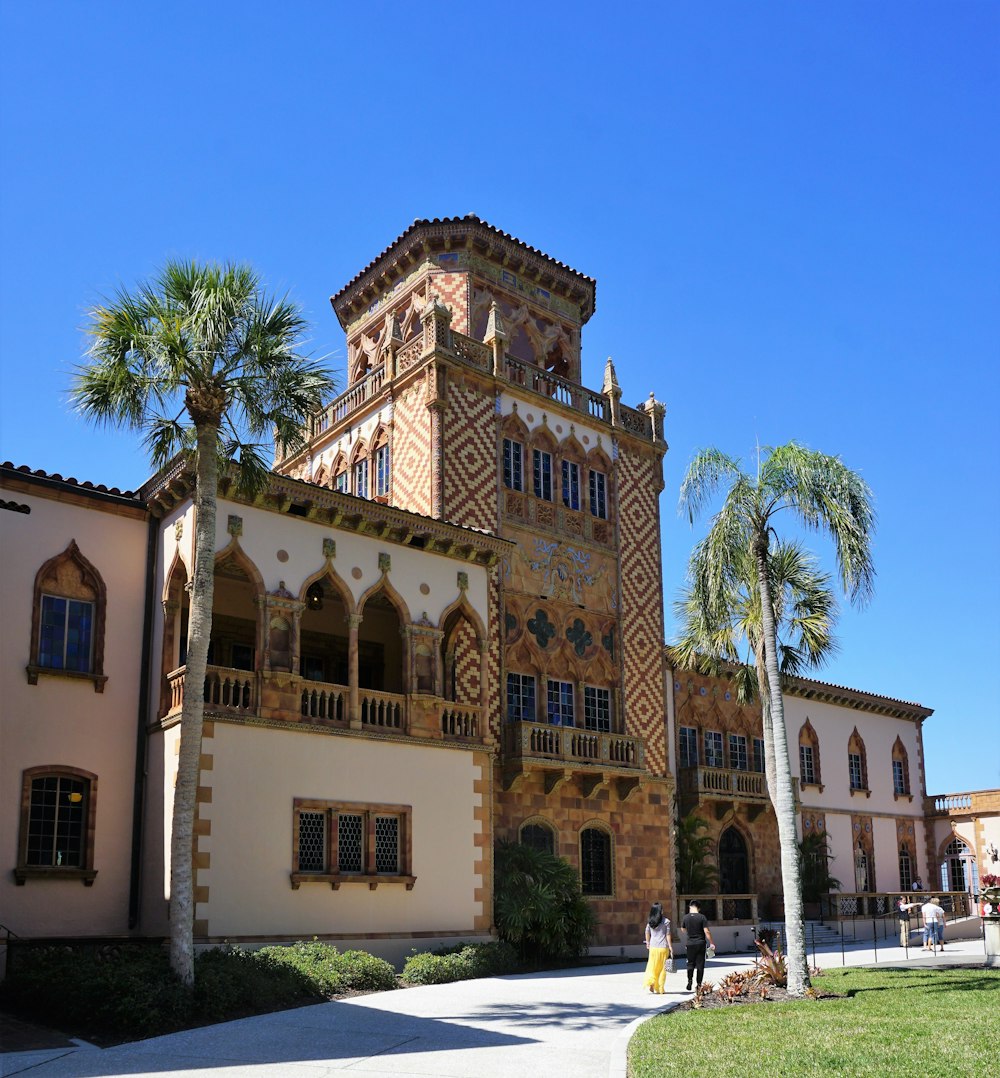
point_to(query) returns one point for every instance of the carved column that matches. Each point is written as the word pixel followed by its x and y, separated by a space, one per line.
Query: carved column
pixel 353 709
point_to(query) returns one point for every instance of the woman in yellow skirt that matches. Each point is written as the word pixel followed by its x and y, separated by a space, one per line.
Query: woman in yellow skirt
pixel 660 948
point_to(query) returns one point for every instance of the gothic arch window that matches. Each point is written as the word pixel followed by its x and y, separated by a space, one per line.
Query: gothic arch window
pixel 340 478
pixel 380 465
pixel 900 771
pixel 68 614
pixel 809 769
pixel 543 456
pixel 360 485
pixel 571 468
pixel 857 763
pixel 58 814
pixel 539 834
pixel 514 439
pixel 596 861
pixel 599 484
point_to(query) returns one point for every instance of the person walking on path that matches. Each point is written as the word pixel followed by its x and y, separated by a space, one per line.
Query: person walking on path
pixel 933 916
pixel 660 948
pixel 695 926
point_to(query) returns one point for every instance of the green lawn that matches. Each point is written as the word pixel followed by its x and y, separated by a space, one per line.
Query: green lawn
pixel 915 1022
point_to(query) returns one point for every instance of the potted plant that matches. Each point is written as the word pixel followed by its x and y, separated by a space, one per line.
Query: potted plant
pixel 990 900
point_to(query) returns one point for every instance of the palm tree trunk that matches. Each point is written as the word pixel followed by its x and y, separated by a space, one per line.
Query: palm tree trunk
pixel 189 759
pixel 782 796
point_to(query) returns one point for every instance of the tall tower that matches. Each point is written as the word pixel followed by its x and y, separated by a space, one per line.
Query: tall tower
pixel 464 402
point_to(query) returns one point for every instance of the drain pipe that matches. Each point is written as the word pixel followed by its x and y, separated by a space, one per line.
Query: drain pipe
pixel 139 795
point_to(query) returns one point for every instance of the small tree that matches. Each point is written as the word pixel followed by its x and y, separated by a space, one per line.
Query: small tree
pixel 816 878
pixel 538 904
pixel 696 875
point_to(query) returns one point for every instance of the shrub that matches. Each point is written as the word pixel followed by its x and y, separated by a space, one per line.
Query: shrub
pixel 538 905
pixel 332 972
pixel 771 965
pixel 461 963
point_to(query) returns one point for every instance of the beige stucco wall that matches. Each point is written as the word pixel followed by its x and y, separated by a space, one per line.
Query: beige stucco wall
pixel 256 775
pixel 63 721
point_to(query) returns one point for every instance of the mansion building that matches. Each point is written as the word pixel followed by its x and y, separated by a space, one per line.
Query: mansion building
pixel 439 628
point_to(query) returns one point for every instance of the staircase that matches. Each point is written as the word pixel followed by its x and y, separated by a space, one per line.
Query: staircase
pixel 818 933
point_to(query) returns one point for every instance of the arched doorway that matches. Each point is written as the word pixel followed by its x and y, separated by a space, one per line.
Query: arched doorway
pixel 958 868
pixel 734 863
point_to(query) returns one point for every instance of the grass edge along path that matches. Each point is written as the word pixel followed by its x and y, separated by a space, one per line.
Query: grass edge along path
pixel 896 1022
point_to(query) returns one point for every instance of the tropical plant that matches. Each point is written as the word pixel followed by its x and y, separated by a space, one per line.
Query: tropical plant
pixel 696 875
pixel 538 905
pixel 202 362
pixel 772 966
pixel 744 584
pixel 816 878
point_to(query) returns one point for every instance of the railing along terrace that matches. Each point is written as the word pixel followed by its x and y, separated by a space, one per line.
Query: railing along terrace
pixel 721 909
pixel 348 401
pixel 949 803
pixel 460 720
pixel 383 710
pixel 225 689
pixel 528 376
pixel 857 905
pixel 324 702
pixel 723 781
pixel 571 744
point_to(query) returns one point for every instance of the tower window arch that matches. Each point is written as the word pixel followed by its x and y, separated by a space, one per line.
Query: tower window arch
pixel 857 762
pixel 809 762
pixel 596 864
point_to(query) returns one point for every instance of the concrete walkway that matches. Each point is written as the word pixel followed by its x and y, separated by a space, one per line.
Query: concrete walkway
pixel 547 1025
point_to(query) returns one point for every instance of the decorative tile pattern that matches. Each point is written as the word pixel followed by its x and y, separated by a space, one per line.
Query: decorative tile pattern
pixel 411 439
pixel 466 665
pixel 639 483
pixel 452 289
pixel 470 466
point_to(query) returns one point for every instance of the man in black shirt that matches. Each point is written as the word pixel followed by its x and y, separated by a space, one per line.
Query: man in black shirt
pixel 698 936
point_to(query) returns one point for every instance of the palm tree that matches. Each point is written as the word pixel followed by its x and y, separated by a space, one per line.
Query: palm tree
pixel 200 361
pixel 744 582
pixel 695 872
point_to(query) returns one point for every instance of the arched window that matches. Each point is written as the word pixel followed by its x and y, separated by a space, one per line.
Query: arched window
pixel 809 772
pixel 58 812
pixel 599 484
pixel 539 836
pixel 359 471
pixel 857 762
pixel 596 875
pixel 958 867
pixel 571 474
pixel 900 771
pixel 905 868
pixel 67 619
pixel 380 464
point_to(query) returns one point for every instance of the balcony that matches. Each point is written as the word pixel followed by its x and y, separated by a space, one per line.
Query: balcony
pixel 591 758
pixel 289 698
pixel 726 786
pixel 976 803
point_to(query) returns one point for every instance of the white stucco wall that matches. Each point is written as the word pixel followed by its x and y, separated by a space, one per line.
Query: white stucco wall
pixel 63 721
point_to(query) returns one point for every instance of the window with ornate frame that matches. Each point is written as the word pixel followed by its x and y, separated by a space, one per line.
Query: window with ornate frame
pixel 857 764
pixel 539 835
pixel 513 464
pixel 521 698
pixel 809 758
pixel 382 473
pixel 541 469
pixel 361 477
pixel 597 709
pixel 58 818
pixel 900 771
pixel 340 842
pixel 571 484
pixel 713 749
pixel 738 759
pixel 598 494
pixel 560 709
pixel 596 862
pixel 68 615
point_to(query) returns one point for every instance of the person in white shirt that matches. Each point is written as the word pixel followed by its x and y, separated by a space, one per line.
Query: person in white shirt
pixel 933 916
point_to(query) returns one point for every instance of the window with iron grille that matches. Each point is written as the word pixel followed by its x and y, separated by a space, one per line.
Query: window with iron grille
pixel 513 464
pixel 542 473
pixel 713 749
pixel 854 769
pixel 807 764
pixel 343 841
pixel 539 837
pixel 599 494
pixel 57 824
pixel 560 703
pixel 571 484
pixel 382 471
pixel 350 842
pixel 758 754
pixel 521 698
pixel 596 877
pixel 688 746
pixel 738 752
pixel 597 709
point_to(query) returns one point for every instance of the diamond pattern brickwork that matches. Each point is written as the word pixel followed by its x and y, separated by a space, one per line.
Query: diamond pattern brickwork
pixel 411 443
pixel 452 289
pixel 466 665
pixel 639 482
pixel 470 467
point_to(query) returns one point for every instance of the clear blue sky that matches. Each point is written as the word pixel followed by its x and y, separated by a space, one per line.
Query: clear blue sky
pixel 791 211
